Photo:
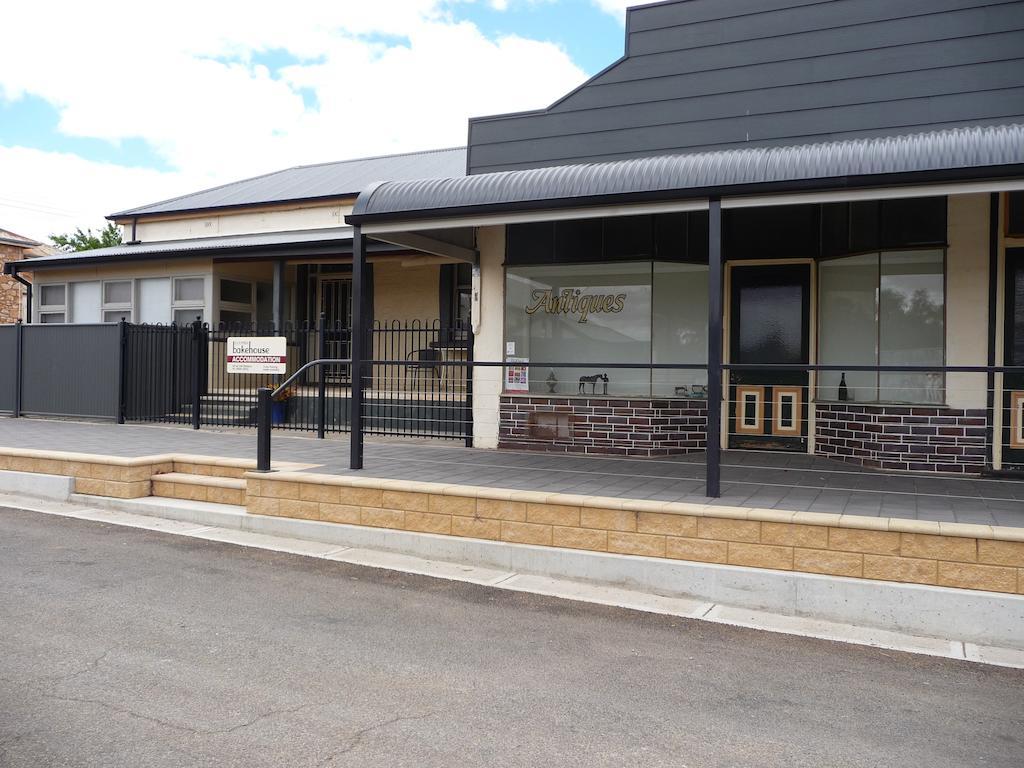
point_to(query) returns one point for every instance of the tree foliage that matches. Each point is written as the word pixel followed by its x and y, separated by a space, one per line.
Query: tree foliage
pixel 86 241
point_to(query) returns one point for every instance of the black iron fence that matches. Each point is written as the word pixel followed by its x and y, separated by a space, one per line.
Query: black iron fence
pixel 179 375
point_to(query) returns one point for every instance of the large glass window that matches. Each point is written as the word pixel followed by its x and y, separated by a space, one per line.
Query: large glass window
pixel 52 306
pixel 635 312
pixel 882 309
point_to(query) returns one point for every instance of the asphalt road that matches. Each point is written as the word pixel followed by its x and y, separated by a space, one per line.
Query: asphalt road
pixel 125 647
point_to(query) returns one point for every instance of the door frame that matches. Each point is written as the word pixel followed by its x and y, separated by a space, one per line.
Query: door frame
pixel 811 319
pixel 1011 386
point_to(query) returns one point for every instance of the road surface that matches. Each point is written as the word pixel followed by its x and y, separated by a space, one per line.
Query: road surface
pixel 126 647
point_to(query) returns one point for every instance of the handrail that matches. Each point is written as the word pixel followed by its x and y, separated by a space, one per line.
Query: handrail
pixel 264 397
pixel 306 367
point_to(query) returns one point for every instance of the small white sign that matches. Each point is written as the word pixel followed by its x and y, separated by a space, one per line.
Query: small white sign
pixel 517 377
pixel 257 354
pixel 510 347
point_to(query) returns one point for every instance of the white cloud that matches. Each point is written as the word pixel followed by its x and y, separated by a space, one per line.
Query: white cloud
pixel 617 8
pixel 386 76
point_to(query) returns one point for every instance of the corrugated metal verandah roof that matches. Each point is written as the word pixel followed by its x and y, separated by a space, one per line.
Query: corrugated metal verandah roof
pixel 300 242
pixel 750 170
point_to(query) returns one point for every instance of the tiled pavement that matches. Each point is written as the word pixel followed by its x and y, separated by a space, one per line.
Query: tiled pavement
pixel 773 480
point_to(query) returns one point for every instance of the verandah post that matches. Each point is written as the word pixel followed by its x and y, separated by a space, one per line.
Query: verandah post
pixel 321 391
pixel 714 407
pixel 19 354
pixel 357 347
pixel 198 351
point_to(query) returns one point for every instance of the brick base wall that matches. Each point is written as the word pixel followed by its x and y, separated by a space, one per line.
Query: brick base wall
pixel 644 427
pixel 902 437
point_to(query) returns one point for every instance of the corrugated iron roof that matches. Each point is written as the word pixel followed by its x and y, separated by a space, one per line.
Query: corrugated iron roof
pixel 338 179
pixel 196 246
pixel 10 238
pixel 955 149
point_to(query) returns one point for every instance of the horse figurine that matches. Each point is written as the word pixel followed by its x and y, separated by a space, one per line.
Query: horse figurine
pixel 592 381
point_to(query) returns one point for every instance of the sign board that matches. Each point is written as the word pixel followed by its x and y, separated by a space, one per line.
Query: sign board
pixel 257 354
pixel 517 377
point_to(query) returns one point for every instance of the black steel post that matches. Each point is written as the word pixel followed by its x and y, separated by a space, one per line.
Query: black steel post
pixel 321 389
pixel 198 350
pixel 715 338
pixel 358 348
pixel 469 385
pixel 278 297
pixel 19 353
pixel 122 373
pixel 263 409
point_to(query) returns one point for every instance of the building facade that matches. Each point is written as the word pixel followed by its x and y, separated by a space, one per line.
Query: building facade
pixel 861 168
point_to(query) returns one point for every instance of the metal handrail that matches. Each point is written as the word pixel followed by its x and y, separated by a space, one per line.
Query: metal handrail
pixel 306 367
pixel 265 396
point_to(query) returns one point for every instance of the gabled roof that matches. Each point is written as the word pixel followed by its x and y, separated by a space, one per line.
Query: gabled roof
pixel 10 238
pixel 958 154
pixel 345 178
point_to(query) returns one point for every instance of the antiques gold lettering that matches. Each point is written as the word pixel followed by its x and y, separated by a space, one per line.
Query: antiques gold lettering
pixel 574 301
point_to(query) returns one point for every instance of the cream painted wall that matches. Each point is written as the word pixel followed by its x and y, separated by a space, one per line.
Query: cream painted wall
pixel 967 298
pixel 240 223
pixel 406 293
pixel 488 342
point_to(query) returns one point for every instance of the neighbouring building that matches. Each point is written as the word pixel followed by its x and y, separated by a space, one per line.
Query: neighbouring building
pixel 12 293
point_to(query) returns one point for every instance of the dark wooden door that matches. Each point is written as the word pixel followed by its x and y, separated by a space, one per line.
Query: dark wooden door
pixel 769 318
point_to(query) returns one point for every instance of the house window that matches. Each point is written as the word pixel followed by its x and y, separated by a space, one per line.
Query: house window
pixel 237 302
pixel 883 309
pixel 117 301
pixel 53 303
pixel 188 300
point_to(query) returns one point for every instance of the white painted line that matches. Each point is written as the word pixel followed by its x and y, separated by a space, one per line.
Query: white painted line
pixel 1002 657
pixel 263 541
pixel 601 595
pixel 440 569
pixel 828 630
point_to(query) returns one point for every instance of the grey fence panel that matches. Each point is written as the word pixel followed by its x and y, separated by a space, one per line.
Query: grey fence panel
pixel 8 368
pixel 71 370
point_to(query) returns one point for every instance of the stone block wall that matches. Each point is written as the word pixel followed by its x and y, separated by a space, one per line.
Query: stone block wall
pixel 622 427
pixel 11 292
pixel 923 439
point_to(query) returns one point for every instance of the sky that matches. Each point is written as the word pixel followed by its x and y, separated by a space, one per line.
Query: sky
pixel 110 104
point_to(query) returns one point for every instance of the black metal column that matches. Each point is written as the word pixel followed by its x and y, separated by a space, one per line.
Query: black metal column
pixel 358 347
pixel 198 367
pixel 715 338
pixel 321 386
pixel 263 408
pixel 19 354
pixel 279 296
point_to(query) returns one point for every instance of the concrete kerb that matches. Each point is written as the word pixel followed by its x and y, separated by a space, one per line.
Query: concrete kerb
pixel 52 487
pixel 983 618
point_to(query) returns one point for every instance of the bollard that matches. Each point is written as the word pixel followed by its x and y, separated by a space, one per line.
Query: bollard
pixel 263 414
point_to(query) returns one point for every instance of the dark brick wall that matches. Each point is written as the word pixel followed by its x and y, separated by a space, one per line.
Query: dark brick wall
pixel 903 437
pixel 645 427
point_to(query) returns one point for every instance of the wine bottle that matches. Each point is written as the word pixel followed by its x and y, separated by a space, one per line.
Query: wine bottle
pixel 844 393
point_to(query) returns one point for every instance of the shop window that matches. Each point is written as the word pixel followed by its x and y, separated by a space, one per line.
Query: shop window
pixel 188 289
pixel 882 309
pixel 629 312
pixel 235 291
pixel 53 303
pixel 1015 214
pixel 237 302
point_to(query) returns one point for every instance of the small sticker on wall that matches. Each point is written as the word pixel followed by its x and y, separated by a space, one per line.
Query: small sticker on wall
pixel 517 377
pixel 510 347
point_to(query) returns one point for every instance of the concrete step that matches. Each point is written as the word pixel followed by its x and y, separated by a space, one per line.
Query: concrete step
pixel 181 485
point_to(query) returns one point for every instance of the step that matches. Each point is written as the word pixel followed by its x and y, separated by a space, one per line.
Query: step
pixel 181 485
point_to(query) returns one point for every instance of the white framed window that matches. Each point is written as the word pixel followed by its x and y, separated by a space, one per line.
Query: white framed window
pixel 53 306
pixel 237 301
pixel 117 300
pixel 188 299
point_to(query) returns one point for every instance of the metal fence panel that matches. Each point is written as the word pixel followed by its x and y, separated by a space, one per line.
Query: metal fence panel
pixel 8 366
pixel 71 370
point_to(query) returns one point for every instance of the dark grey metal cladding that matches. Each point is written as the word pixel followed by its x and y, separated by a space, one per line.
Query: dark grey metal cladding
pixel 71 370
pixel 730 73
pixel 969 152
pixel 8 371
pixel 325 180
